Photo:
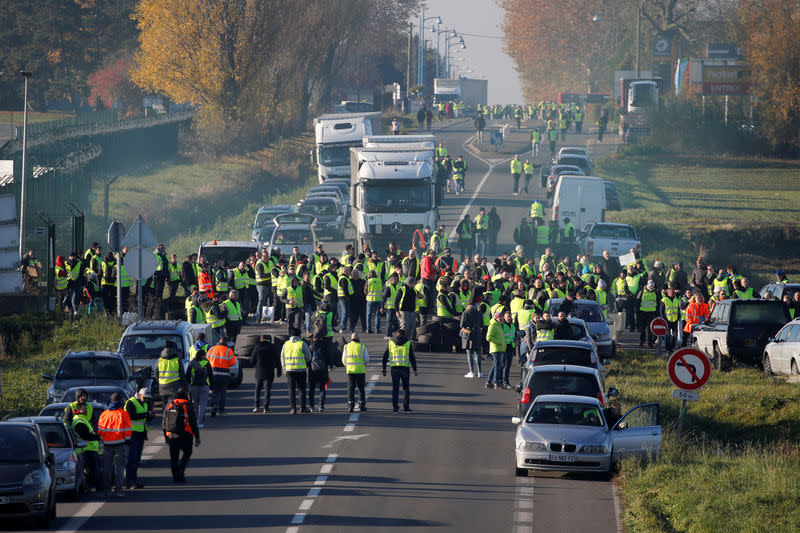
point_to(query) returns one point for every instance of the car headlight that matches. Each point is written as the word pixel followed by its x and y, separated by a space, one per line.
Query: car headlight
pixel 533 446
pixel 589 448
pixel 34 479
pixel 602 336
pixel 66 465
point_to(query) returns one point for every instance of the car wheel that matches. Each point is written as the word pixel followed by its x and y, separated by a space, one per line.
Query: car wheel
pixel 794 367
pixel 613 349
pixel 767 365
pixel 521 472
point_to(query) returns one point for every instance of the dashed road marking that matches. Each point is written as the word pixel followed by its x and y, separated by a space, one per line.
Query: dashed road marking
pixel 298 518
pixel 349 427
pixel 524 504
pixel 524 491
pixel 306 505
pixel 523 516
pixel 326 468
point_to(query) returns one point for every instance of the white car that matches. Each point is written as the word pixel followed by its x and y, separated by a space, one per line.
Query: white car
pixel 295 230
pixel 618 239
pixel 782 354
pixel 570 433
pixel 573 150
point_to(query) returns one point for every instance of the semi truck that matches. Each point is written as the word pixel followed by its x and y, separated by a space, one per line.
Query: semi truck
pixel 472 91
pixel 335 134
pixel 393 192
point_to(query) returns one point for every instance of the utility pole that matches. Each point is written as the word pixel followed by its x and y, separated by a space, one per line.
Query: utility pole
pixel 25 74
pixel 408 66
pixel 638 32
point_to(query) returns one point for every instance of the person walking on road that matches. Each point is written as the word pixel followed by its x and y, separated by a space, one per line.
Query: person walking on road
pixel 536 140
pixel 466 237
pixel 267 364
pixel 494 229
pixel 179 424
pixel 400 356
pixel 481 232
pixel 516 171
pixel 169 372
pixel 199 375
pixel 115 429
pixel 459 174
pixel 472 339
pixel 552 136
pixel 497 348
pixel 221 358
pixel 318 372
pixel 139 411
pixel 295 357
pixel 527 169
pixel 355 358
pixel 480 125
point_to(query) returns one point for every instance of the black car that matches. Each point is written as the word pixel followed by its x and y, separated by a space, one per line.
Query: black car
pixel 27 474
pixel 613 202
pixel 79 369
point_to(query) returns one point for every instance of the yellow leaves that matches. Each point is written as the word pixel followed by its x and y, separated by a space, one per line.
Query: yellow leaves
pixel 54 56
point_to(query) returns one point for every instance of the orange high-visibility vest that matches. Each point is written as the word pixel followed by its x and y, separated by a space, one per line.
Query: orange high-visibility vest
pixel 204 284
pixel 115 427
pixel 221 358
pixel 182 404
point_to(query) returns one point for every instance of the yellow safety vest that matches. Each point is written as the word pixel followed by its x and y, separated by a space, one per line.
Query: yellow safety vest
pixel 214 320
pixel 374 289
pixel 61 282
pixel 91 445
pixel 295 297
pixel 293 357
pixel 168 371
pixel 672 308
pixel 399 355
pixel 392 296
pixel 354 358
pixel 234 310
pixel 140 422
pixel 648 304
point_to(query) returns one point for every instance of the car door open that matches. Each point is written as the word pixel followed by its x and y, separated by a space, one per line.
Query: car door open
pixel 637 433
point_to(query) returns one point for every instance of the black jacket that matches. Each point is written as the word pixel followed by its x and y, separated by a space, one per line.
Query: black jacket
pixel 266 360
pixel 472 320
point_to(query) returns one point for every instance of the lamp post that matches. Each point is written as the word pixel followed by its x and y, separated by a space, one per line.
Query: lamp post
pixel 421 57
pixel 26 75
pixel 447 39
pixel 638 32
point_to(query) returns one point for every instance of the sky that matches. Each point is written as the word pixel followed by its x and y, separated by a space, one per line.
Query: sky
pixel 483 55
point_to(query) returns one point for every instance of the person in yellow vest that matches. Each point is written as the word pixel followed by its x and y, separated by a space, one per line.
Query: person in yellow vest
pixel 199 375
pixel 527 169
pixel 355 359
pixel 648 300
pixel 295 358
pixel 670 310
pixel 516 171
pixel 537 209
pixel 295 303
pixel 400 356
pixel 497 348
pixel 374 292
pixel 388 305
pixel 81 416
pixel 170 374
pixel 481 231
pixel 233 316
pixel 139 411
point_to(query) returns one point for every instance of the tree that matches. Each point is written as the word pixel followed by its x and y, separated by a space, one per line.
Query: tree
pixel 112 84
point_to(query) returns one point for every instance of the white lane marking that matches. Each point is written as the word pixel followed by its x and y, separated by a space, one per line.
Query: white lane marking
pixel 292 530
pixel 349 427
pixel 523 529
pixel 298 518
pixel 523 516
pixel 320 480
pixel 524 491
pixel 306 505
pixel 150 450
pixel 313 492
pixel 524 504
pixel 332 458
pixel 326 468
pixel 375 377
pixel 84 513
pixel 345 437
pixel 354 417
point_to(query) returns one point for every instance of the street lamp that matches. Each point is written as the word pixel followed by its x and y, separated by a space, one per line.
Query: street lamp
pixel 447 40
pixel 26 75
pixel 421 57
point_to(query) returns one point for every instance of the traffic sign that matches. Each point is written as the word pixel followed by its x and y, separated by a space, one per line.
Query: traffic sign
pixel 639 120
pixel 116 232
pixel 496 138
pixel 140 234
pixel 686 395
pixel 689 369
pixel 658 327
pixel 132 263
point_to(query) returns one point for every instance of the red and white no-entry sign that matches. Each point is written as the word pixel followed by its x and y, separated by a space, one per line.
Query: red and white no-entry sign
pixel 658 327
pixel 689 369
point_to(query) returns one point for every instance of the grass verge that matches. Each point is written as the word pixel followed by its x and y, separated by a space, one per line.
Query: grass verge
pixel 737 463
pixel 33 344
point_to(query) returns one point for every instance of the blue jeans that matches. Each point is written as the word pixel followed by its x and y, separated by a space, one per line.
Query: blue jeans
pixel 474 361
pixel 459 184
pixel 496 372
pixel 264 293
pixel 480 244
pixel 410 323
pixel 374 310
pixel 344 314
pixel 391 321
pixel 309 310
pixel 508 357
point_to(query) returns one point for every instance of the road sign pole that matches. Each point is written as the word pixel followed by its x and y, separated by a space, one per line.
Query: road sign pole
pixel 680 417
pixel 119 285
pixel 139 283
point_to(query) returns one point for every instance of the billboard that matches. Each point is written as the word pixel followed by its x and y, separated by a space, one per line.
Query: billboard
pixel 727 80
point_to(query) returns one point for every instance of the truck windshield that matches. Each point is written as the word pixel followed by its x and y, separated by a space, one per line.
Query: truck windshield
pixel 403 197
pixel 643 95
pixel 229 254
pixel 334 156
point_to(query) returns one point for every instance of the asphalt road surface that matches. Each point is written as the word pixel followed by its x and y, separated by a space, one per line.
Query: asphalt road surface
pixel 448 466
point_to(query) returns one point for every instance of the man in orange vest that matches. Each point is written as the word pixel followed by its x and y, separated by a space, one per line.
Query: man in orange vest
pixel 220 359
pixel 179 423
pixel 204 284
pixel 115 429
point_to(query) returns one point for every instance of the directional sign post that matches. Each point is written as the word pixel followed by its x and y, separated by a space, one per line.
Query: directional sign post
pixel 689 370
pixel 116 232
pixel 140 242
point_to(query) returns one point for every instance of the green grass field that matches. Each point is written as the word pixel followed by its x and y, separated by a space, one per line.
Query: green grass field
pixel 737 463
pixel 33 116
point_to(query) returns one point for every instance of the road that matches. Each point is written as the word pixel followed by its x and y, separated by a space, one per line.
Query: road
pixel 447 466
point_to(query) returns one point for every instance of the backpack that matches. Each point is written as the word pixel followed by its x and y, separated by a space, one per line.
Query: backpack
pixel 319 327
pixel 318 362
pixel 175 418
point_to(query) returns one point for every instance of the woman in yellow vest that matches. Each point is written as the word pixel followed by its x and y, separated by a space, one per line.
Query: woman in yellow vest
pixel 355 358
pixel 400 356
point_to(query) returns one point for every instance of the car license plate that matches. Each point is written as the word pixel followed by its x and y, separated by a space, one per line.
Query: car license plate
pixel 4 499
pixel 562 457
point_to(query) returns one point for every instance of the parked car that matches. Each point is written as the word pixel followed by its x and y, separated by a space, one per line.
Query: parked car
pixel 57 409
pixel 618 239
pixel 573 150
pixel 561 379
pixel 266 213
pixel 343 186
pixel 552 174
pixel 230 252
pixel 265 234
pixel 580 161
pixel 739 330
pixel 592 313
pixel 329 214
pixel 613 200
pixel 27 474
pixel 297 229
pixel 62 443
pixel 582 199
pixel 779 289
pixel 79 369
pixel 570 433
pixel 566 352
pixel 782 353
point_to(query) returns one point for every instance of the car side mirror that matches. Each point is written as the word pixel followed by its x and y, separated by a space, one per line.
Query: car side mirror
pixel 516 420
pixel 621 425
pixel 47 377
pixel 613 391
pixel 606 361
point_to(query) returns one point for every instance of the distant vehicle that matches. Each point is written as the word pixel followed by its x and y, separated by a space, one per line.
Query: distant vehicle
pixel 329 214
pixel 554 172
pixel 100 394
pixel 573 150
pixel 581 352
pixel 230 252
pixel 323 191
pixel 335 134
pixel 642 95
pixel 613 200
pixel 582 199
pixel 266 213
pixel 561 379
pixel 297 230
pixel 779 289
pixel 782 353
pixel 592 313
pixel 79 369
pixel 352 106
pixel 570 433
pixel 579 161
pixel 570 98
pixel 618 239
pixel 739 330
pixel 265 234
pixel 27 474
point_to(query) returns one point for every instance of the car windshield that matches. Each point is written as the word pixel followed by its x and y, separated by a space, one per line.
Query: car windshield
pixel 576 332
pixel 91 368
pixel 405 197
pixel 579 162
pixel 18 445
pixel 757 312
pixel 267 216
pixel 334 156
pixel 232 255
pixel 564 383
pixel 565 413
pixel 614 232
pixel 573 151
pixel 318 208
pixel 101 396
pixel 292 236
pixel 563 355
pixel 148 345
pixel 587 313
pixel 55 434
pixel 266 232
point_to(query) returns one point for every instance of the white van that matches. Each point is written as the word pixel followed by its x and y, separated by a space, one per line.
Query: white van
pixel 582 199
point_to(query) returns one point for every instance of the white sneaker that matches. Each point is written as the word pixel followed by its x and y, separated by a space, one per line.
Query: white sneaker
pixel 480 375
pixel 469 375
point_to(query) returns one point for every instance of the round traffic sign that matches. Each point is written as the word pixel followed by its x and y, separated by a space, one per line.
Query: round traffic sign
pixel 689 369
pixel 658 327
pixel 640 120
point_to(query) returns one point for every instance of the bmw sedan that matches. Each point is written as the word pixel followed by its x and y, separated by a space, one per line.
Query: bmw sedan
pixel 571 434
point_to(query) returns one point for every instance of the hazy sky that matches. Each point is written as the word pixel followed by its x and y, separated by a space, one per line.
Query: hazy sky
pixel 484 56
